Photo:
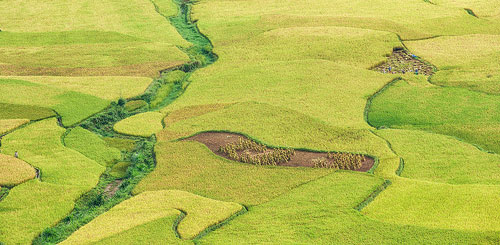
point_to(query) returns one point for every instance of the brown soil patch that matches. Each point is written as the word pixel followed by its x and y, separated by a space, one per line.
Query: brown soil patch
pixel 112 188
pixel 214 140
pixel 402 61
pixel 137 70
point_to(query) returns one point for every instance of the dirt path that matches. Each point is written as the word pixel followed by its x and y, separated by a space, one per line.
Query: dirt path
pixel 111 189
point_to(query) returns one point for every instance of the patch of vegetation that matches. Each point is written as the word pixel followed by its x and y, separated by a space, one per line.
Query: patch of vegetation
pixel 134 105
pixel 92 146
pixel 439 158
pixel 16 111
pixel 413 104
pixel 119 170
pixel 75 107
pixel 402 61
pixel 32 207
pixel 301 215
pixel 249 151
pixel 40 145
pixel 148 233
pixel 104 87
pixel 7 125
pixel 102 123
pixel 121 144
pixel 149 206
pixel 143 124
pixel 191 167
pixel 439 206
pixel 338 160
pixel 66 174
pixel 94 203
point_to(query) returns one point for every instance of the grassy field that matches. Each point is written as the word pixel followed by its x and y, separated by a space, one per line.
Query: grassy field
pixel 88 35
pixel 24 112
pixel 148 233
pixel 150 207
pixel 144 124
pixel 40 145
pixel 322 211
pixel 203 173
pixel 7 125
pixel 469 115
pixel 92 146
pixel 464 61
pixel 296 74
pixel 444 206
pixel 107 87
pixel 73 107
pixel 65 173
pixel 444 159
pixel 31 207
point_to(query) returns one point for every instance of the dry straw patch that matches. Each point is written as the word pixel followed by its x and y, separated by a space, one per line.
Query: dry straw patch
pixel 14 171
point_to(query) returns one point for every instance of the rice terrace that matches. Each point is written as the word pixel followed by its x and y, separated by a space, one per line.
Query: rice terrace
pixel 249 122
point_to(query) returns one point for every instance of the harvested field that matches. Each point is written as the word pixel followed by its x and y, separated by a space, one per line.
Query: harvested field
pixel 402 61
pixel 215 141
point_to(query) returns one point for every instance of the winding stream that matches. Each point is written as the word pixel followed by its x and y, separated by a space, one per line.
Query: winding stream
pixel 142 158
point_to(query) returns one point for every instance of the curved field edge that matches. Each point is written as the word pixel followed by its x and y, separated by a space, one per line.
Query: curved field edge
pixel 93 204
pixel 393 204
pixel 324 210
pixel 200 213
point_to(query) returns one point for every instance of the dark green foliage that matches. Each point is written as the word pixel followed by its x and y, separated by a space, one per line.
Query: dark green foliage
pixel 201 51
pixel 102 123
pixel 3 193
pixel 470 12
pixel 121 102
pixel 94 203
pixel 373 195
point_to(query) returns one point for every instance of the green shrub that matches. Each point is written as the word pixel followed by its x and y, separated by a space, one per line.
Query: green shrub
pixel 134 105
pixel 119 170
pixel 176 76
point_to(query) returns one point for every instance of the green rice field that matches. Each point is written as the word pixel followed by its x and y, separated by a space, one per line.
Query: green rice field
pixel 133 122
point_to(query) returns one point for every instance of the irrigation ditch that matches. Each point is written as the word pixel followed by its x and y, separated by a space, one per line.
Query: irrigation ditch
pixel 110 190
